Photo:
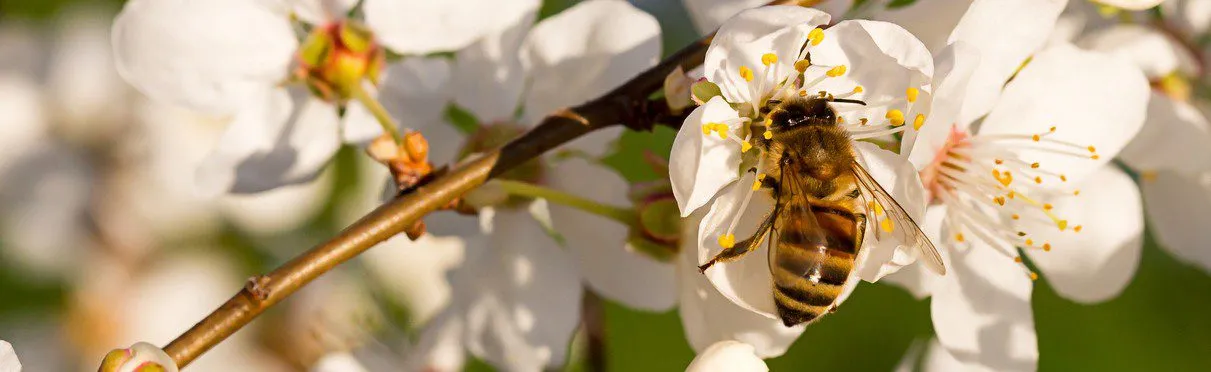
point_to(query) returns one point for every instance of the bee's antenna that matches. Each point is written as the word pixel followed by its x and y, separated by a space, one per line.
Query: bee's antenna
pixel 844 100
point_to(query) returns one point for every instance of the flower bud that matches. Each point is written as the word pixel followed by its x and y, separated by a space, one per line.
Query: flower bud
pixel 336 57
pixel 658 232
pixel 141 357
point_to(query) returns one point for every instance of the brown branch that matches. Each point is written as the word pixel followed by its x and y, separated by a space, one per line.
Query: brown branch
pixel 627 105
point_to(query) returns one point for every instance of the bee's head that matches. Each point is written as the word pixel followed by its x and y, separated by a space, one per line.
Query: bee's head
pixel 801 111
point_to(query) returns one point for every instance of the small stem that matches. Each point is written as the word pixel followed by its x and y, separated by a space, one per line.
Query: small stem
pixel 622 215
pixel 380 113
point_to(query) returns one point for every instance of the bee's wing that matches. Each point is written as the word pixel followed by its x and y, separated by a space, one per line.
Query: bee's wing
pixel 897 221
pixel 795 224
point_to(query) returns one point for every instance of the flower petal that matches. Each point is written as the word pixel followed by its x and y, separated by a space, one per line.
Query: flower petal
pixel 743 41
pixel 522 296
pixel 321 12
pixel 8 358
pixel 584 52
pixel 728 355
pixel 955 65
pixel 932 21
pixel 1147 48
pixel 89 98
pixel 424 26
pixel 440 347
pixel 699 164
pixel 1095 264
pixel 1007 33
pixel 709 317
pixel 916 279
pixel 1194 16
pixel 1176 136
pixel 414 272
pixel 1091 99
pixel 284 137
pixel 338 362
pixel 1132 4
pixel 24 121
pixel 900 179
pixel 1179 211
pixel 416 92
pixel 278 210
pixel 212 56
pixel 488 77
pixel 608 265
pixel 882 58
pixel 45 197
pixel 745 281
pixel 981 311
pixel 708 15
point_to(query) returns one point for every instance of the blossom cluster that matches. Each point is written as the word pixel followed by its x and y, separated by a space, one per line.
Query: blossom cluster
pixel 1025 140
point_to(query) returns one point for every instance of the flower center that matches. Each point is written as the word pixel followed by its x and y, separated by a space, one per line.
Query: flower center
pixel 336 57
pixel 981 179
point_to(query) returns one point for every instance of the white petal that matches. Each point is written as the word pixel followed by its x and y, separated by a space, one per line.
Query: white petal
pixel 525 296
pixel 1132 4
pixel 1149 49
pixel 981 311
pixel 321 12
pixel 900 179
pixel 338 362
pixel 1095 264
pixel 709 317
pixel 415 91
pixel 89 97
pixel 609 266
pixel 24 121
pixel 938 359
pixel 1007 32
pixel 731 356
pixel 1175 136
pixel 1194 16
pixel 882 58
pixel 278 210
pixel 916 279
pixel 932 21
pixel 282 138
pixel 414 272
pixel 584 52
pixel 212 56
pixel 8 358
pixel 708 15
pixel 745 38
pixel 1090 98
pixel 955 65
pixel 45 198
pixel 1179 211
pixel 425 26
pixel 745 281
pixel 700 165
pixel 488 78
pixel 440 348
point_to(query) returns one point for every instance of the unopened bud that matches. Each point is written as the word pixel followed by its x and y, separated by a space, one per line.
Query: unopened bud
pixel 141 357
pixel 335 58
pixel 677 90
pixel 658 231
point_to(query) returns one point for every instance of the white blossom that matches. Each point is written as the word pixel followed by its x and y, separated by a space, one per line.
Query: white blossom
pixel 732 356
pixel 8 358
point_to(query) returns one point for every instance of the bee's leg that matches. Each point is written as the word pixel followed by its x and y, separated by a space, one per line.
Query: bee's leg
pixel 743 247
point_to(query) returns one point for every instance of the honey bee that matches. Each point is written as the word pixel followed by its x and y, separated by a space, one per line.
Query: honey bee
pixel 818 223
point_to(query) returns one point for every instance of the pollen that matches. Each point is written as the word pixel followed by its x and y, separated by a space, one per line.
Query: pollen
pixel 802 65
pixel 816 36
pixel 1021 233
pixel 727 241
pixel 1035 138
pixel 1076 192
pixel 999 161
pixel 1029 242
pixel 1063 178
pixel 757 185
pixel 918 122
pixel 1046 247
pixel 1038 179
pixel 1047 207
pixel 1092 149
pixel 1034 166
pixel 746 73
pixel 896 117
pixel 887 225
pixel 836 71
pixel 912 94
pixel 1034 276
pixel 1000 200
pixel 1005 178
pixel 1062 224
pixel 1017 259
pixel 803 93
pixel 1016 217
pixel 769 59
pixel 858 89
pixel 745 146
pixel 959 237
pixel 1077 228
pixel 863 120
pixel 768 134
pixel 706 129
pixel 1095 157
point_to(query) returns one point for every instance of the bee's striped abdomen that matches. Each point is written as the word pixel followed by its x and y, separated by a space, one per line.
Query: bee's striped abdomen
pixel 809 276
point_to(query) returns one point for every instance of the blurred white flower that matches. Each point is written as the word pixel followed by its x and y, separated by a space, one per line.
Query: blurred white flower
pixel 876 62
pixel 89 102
pixel 8 358
pixel 238 55
pixel 1006 183
pixel 731 356
pixel 1192 16
pixel 338 362
pixel 708 15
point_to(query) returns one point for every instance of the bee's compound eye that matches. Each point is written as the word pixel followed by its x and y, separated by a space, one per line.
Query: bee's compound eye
pixel 786 159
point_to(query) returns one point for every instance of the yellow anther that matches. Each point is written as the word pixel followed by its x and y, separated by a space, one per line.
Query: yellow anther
pixel 1046 247
pixel 896 117
pixel 816 36
pixel 727 241
pixel 1095 157
pixel 745 146
pixel 1034 276
pixel 1005 178
pixel 836 71
pixel 878 208
pixel 1000 200
pixel 841 119
pixel 706 129
pixel 863 121
pixel 1077 228
pixel 1076 192
pixel 1063 178
pixel 1048 207
pixel 802 65
pixel 1062 224
pixel 886 225
pixel 1036 138
pixel 746 73
pixel 999 161
pixel 912 94
pixel 803 93
pixel 1021 233
pixel 760 177
pixel 1011 194
pixel 1017 259
pixel 1038 179
pixel 1029 242
pixel 1148 175
pixel 756 185
pixel 768 134
pixel 858 89
pixel 769 59
pixel 1016 217
pixel 1052 130
pixel 959 237
pixel 918 122
pixel 1034 166
pixel 1092 149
